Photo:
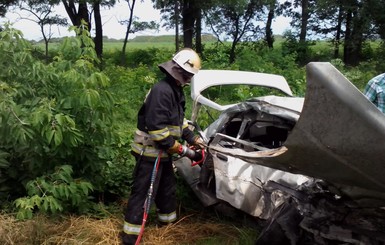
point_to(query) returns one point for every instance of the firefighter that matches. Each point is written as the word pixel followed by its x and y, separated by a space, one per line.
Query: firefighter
pixel 160 127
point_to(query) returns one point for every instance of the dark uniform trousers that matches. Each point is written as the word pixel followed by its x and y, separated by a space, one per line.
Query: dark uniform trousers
pixel 164 195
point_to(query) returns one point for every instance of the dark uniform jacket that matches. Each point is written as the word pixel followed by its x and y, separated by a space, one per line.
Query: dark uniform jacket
pixel 161 120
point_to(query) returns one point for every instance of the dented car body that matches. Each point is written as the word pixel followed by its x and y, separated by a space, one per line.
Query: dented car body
pixel 312 167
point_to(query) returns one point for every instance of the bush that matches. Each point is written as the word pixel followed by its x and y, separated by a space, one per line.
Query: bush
pixel 53 115
pixel 54 193
pixel 134 58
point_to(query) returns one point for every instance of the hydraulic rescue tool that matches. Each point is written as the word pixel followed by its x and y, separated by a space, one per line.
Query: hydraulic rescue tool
pixel 196 156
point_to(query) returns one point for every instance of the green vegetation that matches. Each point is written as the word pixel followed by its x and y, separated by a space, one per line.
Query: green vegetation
pixel 69 113
pixel 67 122
pixel 53 116
pixel 138 42
pixel 68 109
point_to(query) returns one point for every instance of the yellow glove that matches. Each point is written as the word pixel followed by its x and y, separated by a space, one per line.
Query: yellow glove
pixel 175 149
pixel 199 143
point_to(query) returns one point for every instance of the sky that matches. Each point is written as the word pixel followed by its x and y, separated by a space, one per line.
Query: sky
pixel 110 18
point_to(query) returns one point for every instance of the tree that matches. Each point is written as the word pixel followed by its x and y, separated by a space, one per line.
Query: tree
pixel 98 39
pixel 78 14
pixel 81 13
pixel 378 16
pixel 303 18
pixel 348 21
pixel 4 5
pixel 357 26
pixel 188 14
pixel 234 19
pixel 42 14
pixel 129 22
pixel 176 21
pixel 330 16
pixel 179 12
pixel 134 26
pixel 271 5
pixel 170 12
pixel 302 14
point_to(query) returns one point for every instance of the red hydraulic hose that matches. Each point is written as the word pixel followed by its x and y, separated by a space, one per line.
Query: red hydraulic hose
pixel 147 202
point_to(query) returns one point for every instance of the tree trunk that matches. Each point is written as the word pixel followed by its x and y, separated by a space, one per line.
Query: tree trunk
pixel 232 52
pixel 188 20
pixel 348 38
pixel 237 37
pixel 337 39
pixel 98 30
pixel 198 33
pixel 269 33
pixel 77 16
pixel 123 55
pixel 304 20
pixel 302 50
pixel 176 10
pixel 355 54
pixel 46 41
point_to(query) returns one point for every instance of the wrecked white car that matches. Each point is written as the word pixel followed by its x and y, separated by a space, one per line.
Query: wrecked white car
pixel 312 167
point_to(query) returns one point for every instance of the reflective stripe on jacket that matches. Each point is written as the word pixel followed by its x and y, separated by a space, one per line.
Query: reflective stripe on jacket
pixel 144 145
pixel 161 120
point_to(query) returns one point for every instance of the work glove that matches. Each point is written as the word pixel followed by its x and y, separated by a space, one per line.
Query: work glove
pixel 175 149
pixel 199 143
pixel 181 150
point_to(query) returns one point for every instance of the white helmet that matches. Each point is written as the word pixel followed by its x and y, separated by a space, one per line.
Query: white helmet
pixel 188 59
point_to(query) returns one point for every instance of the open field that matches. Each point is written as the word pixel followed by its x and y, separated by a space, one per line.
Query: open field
pixel 143 42
pixel 117 46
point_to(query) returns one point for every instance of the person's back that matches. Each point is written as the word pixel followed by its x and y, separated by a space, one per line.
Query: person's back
pixel 375 91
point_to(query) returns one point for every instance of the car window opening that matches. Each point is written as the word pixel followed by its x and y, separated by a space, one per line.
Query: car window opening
pixel 263 130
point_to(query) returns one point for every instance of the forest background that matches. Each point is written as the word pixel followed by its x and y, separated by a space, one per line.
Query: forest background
pixel 68 105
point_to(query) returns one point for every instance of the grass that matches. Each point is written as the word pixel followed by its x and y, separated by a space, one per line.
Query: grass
pixel 135 45
pixel 86 230
pixel 112 46
pixel 143 42
pixel 196 225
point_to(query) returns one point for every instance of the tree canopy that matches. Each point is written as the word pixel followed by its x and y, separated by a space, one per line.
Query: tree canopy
pixel 348 24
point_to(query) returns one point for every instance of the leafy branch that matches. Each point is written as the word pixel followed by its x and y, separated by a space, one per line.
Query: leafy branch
pixel 53 193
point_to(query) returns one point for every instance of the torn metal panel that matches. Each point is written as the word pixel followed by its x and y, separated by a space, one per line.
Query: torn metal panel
pixel 242 185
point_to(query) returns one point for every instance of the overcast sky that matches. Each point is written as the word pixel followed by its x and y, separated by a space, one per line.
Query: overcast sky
pixel 110 18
